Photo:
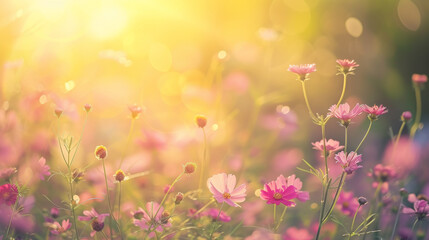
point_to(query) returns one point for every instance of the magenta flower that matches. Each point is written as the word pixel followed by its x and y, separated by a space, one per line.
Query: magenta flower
pixel 382 175
pixel 149 220
pixel 57 228
pixel 222 187
pixel 214 213
pixel 349 162
pixel 346 66
pixel 374 111
pixel 344 113
pixel 303 70
pixel 347 203
pixel 294 233
pixel 97 223
pixel 296 182
pixel 278 192
pixel 43 168
pixel 419 78
pixel 8 194
pixel 421 209
pixel 331 146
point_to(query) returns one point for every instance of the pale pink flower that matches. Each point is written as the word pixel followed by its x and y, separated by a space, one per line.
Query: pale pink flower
pixel 347 203
pixel 419 78
pixel 421 209
pixel 374 111
pixel 43 168
pixel 57 228
pixel 349 162
pixel 382 175
pixel 331 146
pixel 214 213
pixel 97 219
pixel 346 66
pixel 344 113
pixel 222 186
pixel 149 220
pixel 294 233
pixel 303 70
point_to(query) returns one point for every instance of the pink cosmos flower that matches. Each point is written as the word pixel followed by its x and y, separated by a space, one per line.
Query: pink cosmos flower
pixel 222 187
pixel 97 219
pixel 57 228
pixel 44 169
pixel 421 209
pixel 149 220
pixel 331 146
pixel 214 213
pixel 296 182
pixel 419 78
pixel 346 66
pixel 382 175
pixel 8 194
pixel 343 112
pixel 347 203
pixel 349 162
pixel 303 70
pixel 374 111
pixel 278 192
pixel 294 233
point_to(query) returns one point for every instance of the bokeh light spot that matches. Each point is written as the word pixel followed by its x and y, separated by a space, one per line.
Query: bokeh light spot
pixel 108 22
pixel 69 85
pixel 215 127
pixel 160 57
pixel 409 14
pixel 43 99
pixel 354 27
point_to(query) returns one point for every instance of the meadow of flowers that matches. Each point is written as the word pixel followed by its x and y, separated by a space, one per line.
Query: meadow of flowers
pixel 101 138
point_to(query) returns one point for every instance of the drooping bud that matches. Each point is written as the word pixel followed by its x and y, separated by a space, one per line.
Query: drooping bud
pixel 362 201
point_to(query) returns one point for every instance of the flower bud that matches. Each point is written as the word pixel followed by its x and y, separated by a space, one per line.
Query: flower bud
pixel 201 121
pixel 119 175
pixel 362 201
pixel 97 225
pixel 55 212
pixel 58 112
pixel 77 175
pixel 165 216
pixel 406 116
pixel 87 107
pixel 135 111
pixel 100 152
pixel 190 167
pixel 403 192
pixel 138 215
pixel 179 198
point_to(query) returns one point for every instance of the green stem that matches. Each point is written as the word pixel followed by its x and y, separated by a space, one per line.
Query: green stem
pixel 396 219
pixel 418 112
pixel 274 214
pixel 220 210
pixel 10 220
pixel 364 137
pixel 337 195
pixel 71 202
pixel 344 90
pixel 324 152
pixel 399 133
pixel 375 202
pixel 354 218
pixel 345 140
pixel 414 224
pixel 119 209
pixel 80 139
pixel 306 101
pixel 281 218
pixel 203 161
pixel 108 201
pixel 322 210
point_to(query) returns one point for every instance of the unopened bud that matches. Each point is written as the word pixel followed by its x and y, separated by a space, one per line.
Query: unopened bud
pixel 165 216
pixel 87 107
pixel 97 225
pixel 179 198
pixel 119 175
pixel 58 112
pixel 190 167
pixel 135 111
pixel 406 116
pixel 138 215
pixel 362 201
pixel 201 121
pixel 100 152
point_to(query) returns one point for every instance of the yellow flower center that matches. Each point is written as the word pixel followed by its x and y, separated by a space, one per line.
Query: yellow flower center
pixel 278 196
pixel 226 195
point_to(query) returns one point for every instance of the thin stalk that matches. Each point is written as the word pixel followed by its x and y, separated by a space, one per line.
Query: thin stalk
pixel 165 197
pixel 396 219
pixel 80 139
pixel 345 140
pixel 375 202
pixel 274 213
pixel 324 152
pixel 203 160
pixel 414 224
pixel 306 101
pixel 10 220
pixel 71 202
pixel 108 200
pixel 197 212
pixel 119 209
pixel 220 210
pixel 337 194
pixel 366 134
pixel 354 218
pixel 399 133
pixel 344 90
pixel 281 218
pixel 418 112
pixel 322 210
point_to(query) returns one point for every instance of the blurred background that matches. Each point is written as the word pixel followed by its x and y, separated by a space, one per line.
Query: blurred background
pixel 225 59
